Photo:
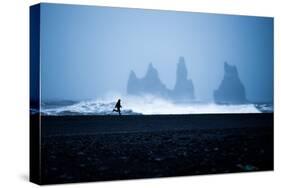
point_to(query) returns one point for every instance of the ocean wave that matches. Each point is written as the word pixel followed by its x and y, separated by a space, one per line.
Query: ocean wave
pixel 149 106
pixel 265 108
pixel 87 108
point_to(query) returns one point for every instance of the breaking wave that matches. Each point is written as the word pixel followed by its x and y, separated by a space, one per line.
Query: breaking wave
pixel 147 106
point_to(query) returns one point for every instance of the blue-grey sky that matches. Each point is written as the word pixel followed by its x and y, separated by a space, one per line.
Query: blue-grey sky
pixel 88 51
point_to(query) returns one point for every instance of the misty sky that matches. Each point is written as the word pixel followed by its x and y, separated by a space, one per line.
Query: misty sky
pixel 87 52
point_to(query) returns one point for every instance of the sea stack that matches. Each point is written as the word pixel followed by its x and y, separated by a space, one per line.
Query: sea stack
pixel 231 90
pixel 133 87
pixel 183 90
pixel 149 84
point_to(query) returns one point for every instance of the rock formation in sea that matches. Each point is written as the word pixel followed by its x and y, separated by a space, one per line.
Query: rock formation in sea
pixel 183 90
pixel 231 90
pixel 152 85
pixel 149 84
pixel 133 86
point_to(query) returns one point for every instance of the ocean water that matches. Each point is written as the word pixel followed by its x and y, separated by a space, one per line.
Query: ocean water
pixel 147 107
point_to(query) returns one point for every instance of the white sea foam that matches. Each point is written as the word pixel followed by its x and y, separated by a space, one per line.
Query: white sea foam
pixel 146 106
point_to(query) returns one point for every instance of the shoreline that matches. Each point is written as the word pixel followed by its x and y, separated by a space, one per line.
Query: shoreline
pixel 79 125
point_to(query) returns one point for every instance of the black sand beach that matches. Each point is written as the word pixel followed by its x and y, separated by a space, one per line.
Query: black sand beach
pixel 95 148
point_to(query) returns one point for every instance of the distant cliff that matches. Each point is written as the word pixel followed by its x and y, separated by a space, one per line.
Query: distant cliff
pixel 231 90
pixel 152 85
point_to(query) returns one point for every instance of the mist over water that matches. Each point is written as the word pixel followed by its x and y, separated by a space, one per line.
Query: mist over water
pixel 84 60
pixel 159 106
pixel 146 105
pixel 87 52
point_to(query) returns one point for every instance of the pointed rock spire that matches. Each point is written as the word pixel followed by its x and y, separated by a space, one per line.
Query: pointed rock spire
pixel 231 90
pixel 152 85
pixel 149 84
pixel 183 90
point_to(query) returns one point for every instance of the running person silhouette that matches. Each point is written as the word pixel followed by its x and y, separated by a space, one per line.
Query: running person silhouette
pixel 117 107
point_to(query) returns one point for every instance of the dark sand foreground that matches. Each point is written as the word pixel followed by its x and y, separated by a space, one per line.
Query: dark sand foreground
pixel 95 148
